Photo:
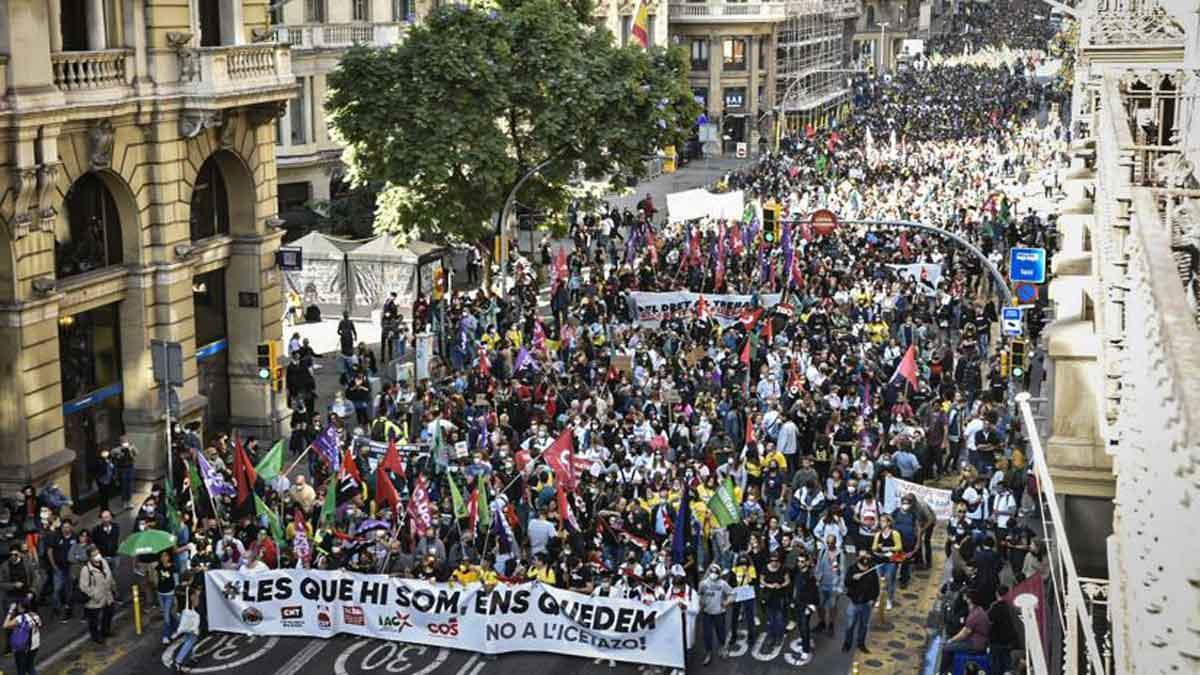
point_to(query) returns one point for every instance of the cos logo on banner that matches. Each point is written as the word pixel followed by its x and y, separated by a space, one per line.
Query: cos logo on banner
pixel 449 629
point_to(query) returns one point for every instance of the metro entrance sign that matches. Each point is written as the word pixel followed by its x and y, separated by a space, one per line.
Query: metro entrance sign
pixel 1027 265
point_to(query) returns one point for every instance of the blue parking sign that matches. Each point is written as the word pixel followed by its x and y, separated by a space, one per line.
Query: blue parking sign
pixel 1010 321
pixel 1027 265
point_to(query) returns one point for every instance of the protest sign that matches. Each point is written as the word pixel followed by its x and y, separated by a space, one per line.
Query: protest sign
pixel 507 618
pixel 925 275
pixel 936 499
pixel 654 308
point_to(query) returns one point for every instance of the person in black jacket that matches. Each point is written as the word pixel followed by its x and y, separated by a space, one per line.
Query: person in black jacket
pixel 862 588
pixel 808 599
pixel 1005 633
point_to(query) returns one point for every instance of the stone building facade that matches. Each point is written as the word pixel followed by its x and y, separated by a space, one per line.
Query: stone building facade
pixel 139 143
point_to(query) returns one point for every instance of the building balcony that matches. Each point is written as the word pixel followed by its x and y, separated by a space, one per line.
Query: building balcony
pixel 845 9
pixel 249 74
pixel 307 37
pixel 93 76
pixel 727 12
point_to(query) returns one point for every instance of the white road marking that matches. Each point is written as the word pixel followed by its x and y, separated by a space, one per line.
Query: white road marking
pixel 396 660
pixel 301 659
pixel 219 642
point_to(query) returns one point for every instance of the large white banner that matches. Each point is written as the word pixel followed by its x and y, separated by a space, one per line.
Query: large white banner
pixel 936 499
pixel 508 618
pixel 654 308
pixel 698 203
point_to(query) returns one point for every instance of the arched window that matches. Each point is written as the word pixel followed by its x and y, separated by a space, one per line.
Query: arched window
pixel 89 236
pixel 210 203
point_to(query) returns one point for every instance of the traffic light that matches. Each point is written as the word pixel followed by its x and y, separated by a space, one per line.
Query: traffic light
pixel 439 284
pixel 264 360
pixel 277 378
pixel 1005 362
pixel 772 221
pixel 1018 357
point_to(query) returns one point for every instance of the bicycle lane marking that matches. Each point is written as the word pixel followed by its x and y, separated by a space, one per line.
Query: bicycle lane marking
pixel 222 647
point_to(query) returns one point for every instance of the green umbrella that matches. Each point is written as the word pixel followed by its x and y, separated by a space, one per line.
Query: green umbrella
pixel 147 542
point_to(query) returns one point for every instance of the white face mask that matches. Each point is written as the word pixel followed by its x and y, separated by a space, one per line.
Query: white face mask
pixel 96 559
pixel 852 489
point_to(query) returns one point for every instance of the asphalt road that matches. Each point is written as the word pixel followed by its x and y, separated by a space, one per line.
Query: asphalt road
pixel 348 655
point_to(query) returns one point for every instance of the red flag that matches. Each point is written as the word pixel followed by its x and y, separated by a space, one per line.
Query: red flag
pixel 350 469
pixel 473 510
pixel 391 460
pixel 750 438
pixel 485 364
pixel 385 492
pixel 908 367
pixel 745 358
pixel 809 131
pixel 243 472
pixel 558 456
pixel 904 245
pixel 702 312
pixel 750 317
pixel 418 508
pixel 769 331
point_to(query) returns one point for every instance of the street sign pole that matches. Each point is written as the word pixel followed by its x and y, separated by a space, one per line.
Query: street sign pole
pixel 166 359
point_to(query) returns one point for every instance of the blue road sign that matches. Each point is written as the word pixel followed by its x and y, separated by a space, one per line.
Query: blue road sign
pixel 1010 321
pixel 1028 265
pixel 1026 293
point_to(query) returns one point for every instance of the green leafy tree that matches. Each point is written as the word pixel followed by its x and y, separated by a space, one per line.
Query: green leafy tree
pixel 450 120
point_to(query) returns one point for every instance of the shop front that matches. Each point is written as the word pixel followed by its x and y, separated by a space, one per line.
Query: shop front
pixel 92 391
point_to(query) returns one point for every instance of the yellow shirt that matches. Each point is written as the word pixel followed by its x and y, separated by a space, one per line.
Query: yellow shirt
pixel 545 575
pixel 744 575
pixel 467 576
pixel 777 459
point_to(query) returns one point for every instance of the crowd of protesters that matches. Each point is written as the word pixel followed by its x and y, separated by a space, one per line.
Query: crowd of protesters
pixel 797 413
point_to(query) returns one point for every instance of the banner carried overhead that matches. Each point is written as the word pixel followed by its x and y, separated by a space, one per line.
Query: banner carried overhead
pixel 693 204
pixel 507 618
pixel 936 499
pixel 925 275
pixel 654 308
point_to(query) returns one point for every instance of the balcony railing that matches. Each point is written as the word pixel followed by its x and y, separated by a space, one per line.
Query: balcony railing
pixel 341 35
pixel 91 71
pixel 743 12
pixel 258 68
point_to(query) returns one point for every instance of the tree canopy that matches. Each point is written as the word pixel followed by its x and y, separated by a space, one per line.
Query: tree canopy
pixel 453 117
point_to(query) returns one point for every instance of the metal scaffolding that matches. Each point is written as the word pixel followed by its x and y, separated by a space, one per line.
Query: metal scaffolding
pixel 811 62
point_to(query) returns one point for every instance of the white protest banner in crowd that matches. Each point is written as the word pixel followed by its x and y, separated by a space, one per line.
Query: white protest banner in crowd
pixel 508 618
pixel 936 499
pixel 654 308
pixel 926 275
pixel 699 203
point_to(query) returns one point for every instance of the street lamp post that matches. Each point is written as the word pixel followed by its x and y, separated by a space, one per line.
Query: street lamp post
pixel 502 222
pixel 883 26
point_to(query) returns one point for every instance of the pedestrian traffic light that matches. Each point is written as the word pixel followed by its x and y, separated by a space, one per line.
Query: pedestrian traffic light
pixel 1018 357
pixel 277 378
pixel 1005 362
pixel 264 360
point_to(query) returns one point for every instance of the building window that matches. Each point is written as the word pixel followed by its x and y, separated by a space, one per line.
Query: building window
pixel 626 29
pixel 294 195
pixel 735 97
pixel 90 238
pixel 361 10
pixel 210 24
pixel 276 10
pixel 298 113
pixel 763 44
pixel 650 29
pixel 699 49
pixel 734 50
pixel 402 10
pixel 210 203
pixel 314 11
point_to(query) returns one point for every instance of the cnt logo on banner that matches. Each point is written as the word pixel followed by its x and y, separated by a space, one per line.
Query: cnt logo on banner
pixel 507 618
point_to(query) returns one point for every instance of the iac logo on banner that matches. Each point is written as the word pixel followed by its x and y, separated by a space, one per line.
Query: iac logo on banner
pixel 395 623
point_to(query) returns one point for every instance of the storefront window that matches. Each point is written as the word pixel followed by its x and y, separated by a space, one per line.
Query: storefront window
pixel 90 357
pixel 212 356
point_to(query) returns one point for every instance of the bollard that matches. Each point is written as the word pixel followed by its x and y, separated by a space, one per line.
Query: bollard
pixel 137 610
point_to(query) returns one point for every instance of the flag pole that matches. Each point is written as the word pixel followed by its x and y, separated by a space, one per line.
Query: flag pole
pixel 306 451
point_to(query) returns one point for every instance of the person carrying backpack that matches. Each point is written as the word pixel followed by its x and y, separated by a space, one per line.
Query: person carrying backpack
pixel 26 627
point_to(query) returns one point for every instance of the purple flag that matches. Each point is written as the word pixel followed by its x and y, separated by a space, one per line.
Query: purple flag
pixel 522 360
pixel 328 447
pixel 788 252
pixel 213 480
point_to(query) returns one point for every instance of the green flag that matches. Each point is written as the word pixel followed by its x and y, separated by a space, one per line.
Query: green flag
pixel 460 507
pixel 271 465
pixel 330 507
pixel 438 449
pixel 172 512
pixel 481 495
pixel 193 480
pixel 723 506
pixel 260 507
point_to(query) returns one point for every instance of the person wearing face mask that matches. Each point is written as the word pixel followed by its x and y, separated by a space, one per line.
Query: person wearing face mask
pixel 862 588
pixel 19 579
pixel 716 595
pixel 906 521
pixel 230 550
pixel 97 583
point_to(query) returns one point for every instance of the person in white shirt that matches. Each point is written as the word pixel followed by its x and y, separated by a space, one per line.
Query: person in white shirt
pixel 540 531
pixel 251 564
